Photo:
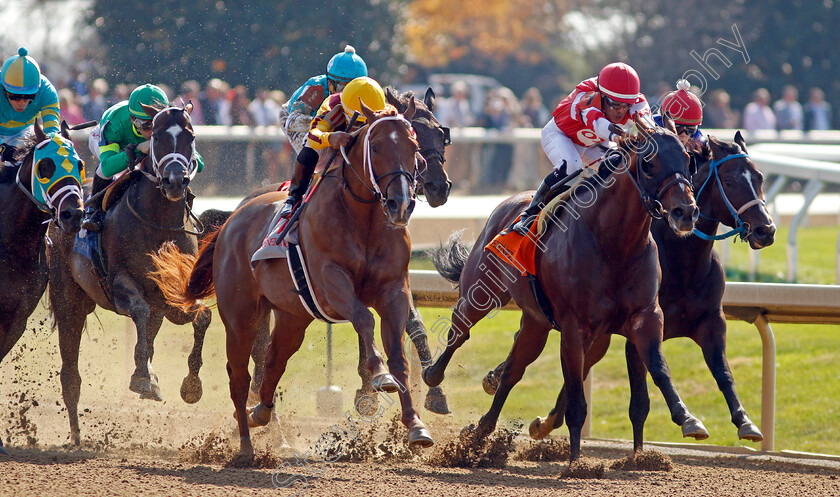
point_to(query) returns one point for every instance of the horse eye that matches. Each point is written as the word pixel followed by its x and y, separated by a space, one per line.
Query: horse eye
pixel 727 182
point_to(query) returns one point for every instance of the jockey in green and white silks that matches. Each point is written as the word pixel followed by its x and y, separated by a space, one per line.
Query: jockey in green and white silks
pixel 27 96
pixel 296 114
pixel 123 132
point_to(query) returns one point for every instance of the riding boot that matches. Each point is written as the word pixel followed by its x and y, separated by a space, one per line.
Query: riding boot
pixel 94 215
pixel 540 198
pixel 301 177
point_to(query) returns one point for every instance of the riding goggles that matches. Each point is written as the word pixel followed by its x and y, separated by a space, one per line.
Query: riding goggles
pixel 614 104
pixel 15 96
pixel 141 124
pixel 686 130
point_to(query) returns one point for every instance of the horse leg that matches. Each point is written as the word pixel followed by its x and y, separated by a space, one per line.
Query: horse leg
pixel 647 335
pixel 711 336
pixel 572 359
pixel 128 299
pixel 435 398
pixel 542 427
pixel 191 385
pixel 152 329
pixel 261 342
pixel 529 344
pixel 639 399
pixel 394 315
pixel 284 343
pixel 370 404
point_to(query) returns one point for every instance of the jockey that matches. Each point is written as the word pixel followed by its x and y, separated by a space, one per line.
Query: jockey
pixel 123 131
pixel 583 125
pixel 685 109
pixel 27 95
pixel 334 113
pixel 296 114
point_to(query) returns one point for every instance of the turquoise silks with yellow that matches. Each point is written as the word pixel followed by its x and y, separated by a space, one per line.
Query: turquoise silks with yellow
pixel 67 165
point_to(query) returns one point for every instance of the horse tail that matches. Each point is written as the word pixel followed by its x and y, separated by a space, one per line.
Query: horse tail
pixel 185 278
pixel 449 259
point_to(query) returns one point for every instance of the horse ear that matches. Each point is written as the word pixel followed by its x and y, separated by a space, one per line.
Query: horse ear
pixel 739 139
pixel 668 122
pixel 429 99
pixel 410 110
pixel 39 132
pixel 150 111
pixel 643 127
pixel 64 129
pixel 393 100
pixel 189 107
pixel 369 117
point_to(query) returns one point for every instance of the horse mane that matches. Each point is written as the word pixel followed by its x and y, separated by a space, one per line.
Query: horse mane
pixel 726 146
pixel 403 97
pixel 26 146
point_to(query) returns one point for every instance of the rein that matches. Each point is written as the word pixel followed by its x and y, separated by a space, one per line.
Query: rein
pixel 180 229
pixel 48 206
pixel 740 229
pixel 652 204
pixel 367 165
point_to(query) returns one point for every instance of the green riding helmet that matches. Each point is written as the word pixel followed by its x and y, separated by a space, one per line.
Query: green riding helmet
pixel 146 95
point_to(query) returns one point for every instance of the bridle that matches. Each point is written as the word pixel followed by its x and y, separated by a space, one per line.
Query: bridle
pixel 367 166
pixel 189 163
pixel 740 227
pixel 653 203
pixel 53 202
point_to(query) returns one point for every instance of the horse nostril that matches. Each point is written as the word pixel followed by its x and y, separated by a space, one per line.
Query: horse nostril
pixel 678 213
pixel 64 216
pixel 391 205
pixel 186 182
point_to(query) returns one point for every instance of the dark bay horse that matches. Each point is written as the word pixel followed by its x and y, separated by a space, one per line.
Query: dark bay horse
pixel 152 211
pixel 33 194
pixel 598 270
pixel 729 191
pixel 435 184
pixel 352 233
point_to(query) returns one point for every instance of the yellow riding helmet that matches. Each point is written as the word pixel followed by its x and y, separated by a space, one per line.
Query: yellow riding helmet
pixel 360 90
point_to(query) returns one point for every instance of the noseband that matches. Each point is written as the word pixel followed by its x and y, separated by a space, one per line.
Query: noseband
pixel 740 228
pixel 367 166
pixel 177 157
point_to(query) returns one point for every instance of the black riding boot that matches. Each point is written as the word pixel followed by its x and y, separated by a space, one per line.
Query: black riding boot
pixel 94 215
pixel 541 197
pixel 301 177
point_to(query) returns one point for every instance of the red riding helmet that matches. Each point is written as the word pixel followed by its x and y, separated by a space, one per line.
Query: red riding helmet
pixel 619 82
pixel 683 106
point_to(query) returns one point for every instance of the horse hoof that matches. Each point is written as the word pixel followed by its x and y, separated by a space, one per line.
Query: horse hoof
pixel 140 384
pixel 436 401
pixel 749 431
pixel 75 438
pixel 490 383
pixel 539 428
pixel 370 405
pixel 694 428
pixel 246 450
pixel 191 389
pixel 259 415
pixel 154 393
pixel 384 383
pixel 420 437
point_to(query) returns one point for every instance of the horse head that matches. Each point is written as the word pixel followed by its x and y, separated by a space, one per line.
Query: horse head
pixel 658 164
pixel 433 139
pixel 388 158
pixel 172 149
pixel 51 176
pixel 733 186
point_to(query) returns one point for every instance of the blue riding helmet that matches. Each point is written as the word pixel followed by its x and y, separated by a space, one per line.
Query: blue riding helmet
pixel 346 66
pixel 21 75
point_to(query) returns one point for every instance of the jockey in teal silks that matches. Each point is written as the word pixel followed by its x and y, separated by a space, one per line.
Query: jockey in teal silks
pixel 27 96
pixel 123 131
pixel 296 115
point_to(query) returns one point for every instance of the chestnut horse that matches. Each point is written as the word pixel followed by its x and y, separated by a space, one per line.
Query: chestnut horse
pixel 729 191
pixel 353 235
pixel 152 211
pixel 598 270
pixel 434 183
pixel 23 218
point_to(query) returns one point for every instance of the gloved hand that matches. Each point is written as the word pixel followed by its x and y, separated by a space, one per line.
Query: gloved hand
pixel 339 139
pixel 129 152
pixel 143 147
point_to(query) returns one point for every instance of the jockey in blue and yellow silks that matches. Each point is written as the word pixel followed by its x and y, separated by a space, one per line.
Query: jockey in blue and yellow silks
pixel 296 114
pixel 27 96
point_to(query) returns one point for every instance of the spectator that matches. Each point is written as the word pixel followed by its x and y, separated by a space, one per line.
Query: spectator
pixel 121 92
pixel 264 109
pixel 190 93
pixel 497 157
pixel 97 102
pixel 788 110
pixel 817 111
pixel 534 113
pixel 455 111
pixel 214 106
pixel 70 110
pixel 758 114
pixel 718 114
pixel 239 101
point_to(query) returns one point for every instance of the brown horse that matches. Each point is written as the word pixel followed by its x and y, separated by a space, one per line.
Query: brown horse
pixel 152 211
pixel 596 273
pixel 729 191
pixel 434 183
pixel 352 232
pixel 23 218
